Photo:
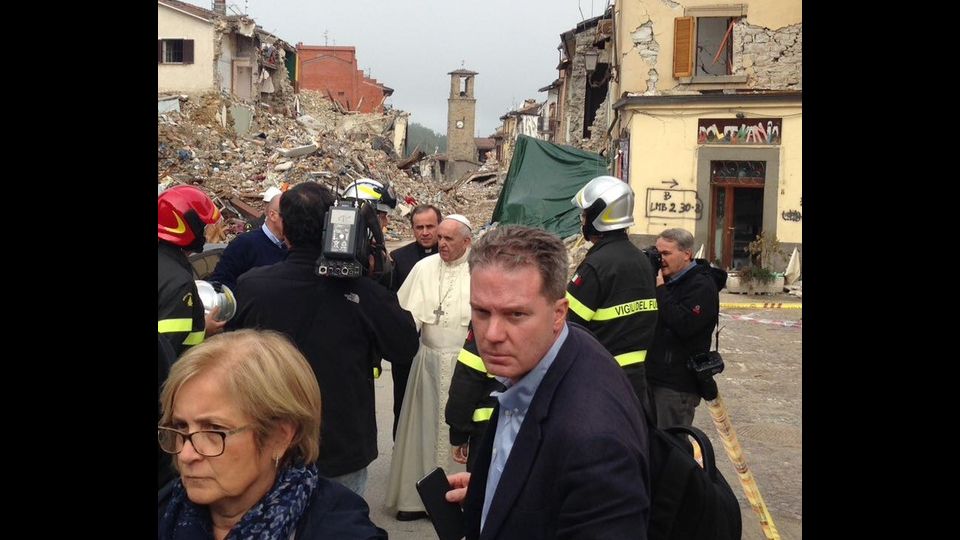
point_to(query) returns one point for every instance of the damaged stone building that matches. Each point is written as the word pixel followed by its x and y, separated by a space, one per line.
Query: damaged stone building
pixel 699 107
pixel 707 123
pixel 201 50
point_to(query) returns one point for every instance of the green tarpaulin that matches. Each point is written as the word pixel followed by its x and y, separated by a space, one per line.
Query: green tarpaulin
pixel 542 179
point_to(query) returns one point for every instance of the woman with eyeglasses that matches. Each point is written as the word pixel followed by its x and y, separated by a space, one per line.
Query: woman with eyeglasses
pixel 241 415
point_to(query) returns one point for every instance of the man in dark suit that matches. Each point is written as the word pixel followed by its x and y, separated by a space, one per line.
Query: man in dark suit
pixel 424 219
pixel 566 451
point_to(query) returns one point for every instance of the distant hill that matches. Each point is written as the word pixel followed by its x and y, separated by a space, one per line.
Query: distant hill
pixel 426 138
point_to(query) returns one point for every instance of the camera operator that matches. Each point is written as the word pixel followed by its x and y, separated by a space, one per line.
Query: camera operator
pixel 337 323
pixel 382 198
pixel 689 304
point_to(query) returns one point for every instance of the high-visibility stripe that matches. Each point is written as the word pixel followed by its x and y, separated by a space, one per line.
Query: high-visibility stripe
pixel 367 190
pixel 471 360
pixel 626 309
pixel 482 414
pixel 629 358
pixel 167 326
pixel 577 306
pixel 376 373
pixel 194 338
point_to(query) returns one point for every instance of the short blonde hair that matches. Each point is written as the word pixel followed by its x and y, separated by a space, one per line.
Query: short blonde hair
pixel 267 378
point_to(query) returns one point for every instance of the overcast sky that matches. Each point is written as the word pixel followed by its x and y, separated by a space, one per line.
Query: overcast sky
pixel 411 45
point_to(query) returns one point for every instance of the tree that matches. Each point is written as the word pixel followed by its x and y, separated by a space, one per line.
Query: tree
pixel 424 137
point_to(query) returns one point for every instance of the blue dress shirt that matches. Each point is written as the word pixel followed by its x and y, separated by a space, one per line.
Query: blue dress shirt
pixel 514 402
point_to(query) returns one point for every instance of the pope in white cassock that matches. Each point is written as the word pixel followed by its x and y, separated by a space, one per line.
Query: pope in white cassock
pixel 437 294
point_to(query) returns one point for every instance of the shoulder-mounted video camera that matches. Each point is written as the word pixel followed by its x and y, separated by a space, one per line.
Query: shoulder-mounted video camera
pixel 353 242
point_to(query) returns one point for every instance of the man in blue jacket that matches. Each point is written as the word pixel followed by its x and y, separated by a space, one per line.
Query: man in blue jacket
pixel 259 247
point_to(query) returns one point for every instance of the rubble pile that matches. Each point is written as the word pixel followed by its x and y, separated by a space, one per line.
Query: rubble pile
pixel 199 145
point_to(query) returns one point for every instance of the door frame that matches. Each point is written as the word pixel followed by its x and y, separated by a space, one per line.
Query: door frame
pixel 771 189
pixel 729 209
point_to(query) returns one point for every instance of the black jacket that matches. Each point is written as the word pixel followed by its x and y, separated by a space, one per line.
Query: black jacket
pixel 338 325
pixel 613 295
pixel 689 309
pixel 403 260
pixel 179 309
pixel 470 405
pixel 579 467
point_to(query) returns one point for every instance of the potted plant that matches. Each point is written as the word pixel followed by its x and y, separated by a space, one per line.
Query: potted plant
pixel 759 277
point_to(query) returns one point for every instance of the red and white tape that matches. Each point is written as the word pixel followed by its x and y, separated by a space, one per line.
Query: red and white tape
pixel 785 324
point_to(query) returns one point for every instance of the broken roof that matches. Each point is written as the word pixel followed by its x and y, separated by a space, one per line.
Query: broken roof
pixel 485 143
pixel 196 11
pixel 550 86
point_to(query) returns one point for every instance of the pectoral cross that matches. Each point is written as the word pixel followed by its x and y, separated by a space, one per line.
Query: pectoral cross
pixel 438 312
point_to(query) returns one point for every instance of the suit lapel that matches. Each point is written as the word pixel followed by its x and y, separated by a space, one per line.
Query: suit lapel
pixel 527 445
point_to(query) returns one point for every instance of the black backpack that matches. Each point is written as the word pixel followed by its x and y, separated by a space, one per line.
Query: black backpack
pixel 688 502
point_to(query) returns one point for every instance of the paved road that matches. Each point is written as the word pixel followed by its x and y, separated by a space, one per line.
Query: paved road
pixel 762 388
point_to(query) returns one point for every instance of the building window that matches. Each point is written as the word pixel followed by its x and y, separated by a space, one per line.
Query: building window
pixel 703 44
pixel 714 46
pixel 174 51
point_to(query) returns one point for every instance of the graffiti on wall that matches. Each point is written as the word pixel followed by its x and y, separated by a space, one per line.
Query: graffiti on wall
pixel 792 215
pixel 673 204
pixel 739 131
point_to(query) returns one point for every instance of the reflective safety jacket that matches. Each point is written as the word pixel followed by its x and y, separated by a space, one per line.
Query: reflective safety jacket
pixel 470 404
pixel 613 294
pixel 179 308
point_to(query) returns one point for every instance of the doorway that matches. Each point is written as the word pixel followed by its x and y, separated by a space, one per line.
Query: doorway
pixel 736 217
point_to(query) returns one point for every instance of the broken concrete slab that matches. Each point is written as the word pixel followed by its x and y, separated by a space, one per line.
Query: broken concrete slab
pixel 298 151
pixel 242 118
pixel 168 104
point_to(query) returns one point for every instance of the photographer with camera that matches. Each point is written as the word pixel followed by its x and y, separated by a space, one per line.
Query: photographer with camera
pixel 339 321
pixel 689 302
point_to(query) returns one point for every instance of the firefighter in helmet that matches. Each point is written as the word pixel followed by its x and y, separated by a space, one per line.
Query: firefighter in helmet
pixel 613 292
pixel 183 212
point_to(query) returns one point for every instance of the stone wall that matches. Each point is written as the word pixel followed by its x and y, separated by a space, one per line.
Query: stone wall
pixel 771 59
pixel 576 90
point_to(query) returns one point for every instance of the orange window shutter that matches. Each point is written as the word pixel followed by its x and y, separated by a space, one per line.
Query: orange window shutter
pixel 683 47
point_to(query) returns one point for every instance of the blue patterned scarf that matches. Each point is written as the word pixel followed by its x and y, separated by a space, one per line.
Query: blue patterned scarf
pixel 274 517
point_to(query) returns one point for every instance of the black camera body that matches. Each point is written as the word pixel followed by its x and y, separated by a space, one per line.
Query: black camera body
pixel 706 364
pixel 344 242
pixel 351 236
pixel 656 260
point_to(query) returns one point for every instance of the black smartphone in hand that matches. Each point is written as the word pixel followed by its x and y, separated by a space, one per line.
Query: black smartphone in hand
pixel 447 517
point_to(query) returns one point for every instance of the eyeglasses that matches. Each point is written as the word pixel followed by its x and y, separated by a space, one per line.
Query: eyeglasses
pixel 206 442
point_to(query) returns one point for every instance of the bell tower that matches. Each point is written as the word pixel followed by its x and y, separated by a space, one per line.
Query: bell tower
pixel 461 125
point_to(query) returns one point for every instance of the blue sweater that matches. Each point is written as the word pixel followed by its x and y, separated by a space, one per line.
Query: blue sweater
pixel 249 250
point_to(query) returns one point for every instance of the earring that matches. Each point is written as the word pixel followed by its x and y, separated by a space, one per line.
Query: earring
pixel 276 462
